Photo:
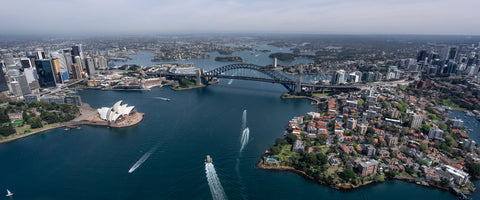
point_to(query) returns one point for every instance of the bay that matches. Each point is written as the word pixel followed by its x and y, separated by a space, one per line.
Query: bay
pixel 93 163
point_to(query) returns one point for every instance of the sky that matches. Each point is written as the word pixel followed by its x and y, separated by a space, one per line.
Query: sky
pixel 91 17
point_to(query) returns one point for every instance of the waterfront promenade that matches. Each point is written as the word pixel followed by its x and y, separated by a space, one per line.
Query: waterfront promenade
pixel 88 116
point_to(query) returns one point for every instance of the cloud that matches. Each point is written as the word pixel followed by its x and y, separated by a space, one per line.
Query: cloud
pixel 300 16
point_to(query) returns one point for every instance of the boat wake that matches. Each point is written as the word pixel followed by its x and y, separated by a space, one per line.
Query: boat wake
pixel 244 140
pixel 230 81
pixel 214 182
pixel 142 159
pixel 245 131
pixel 162 98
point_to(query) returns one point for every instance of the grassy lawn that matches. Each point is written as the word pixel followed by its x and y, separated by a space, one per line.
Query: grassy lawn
pixel 286 153
pixel 325 150
pixel 320 95
pixel 332 170
pixel 22 129
pixel 17 122
pixel 447 102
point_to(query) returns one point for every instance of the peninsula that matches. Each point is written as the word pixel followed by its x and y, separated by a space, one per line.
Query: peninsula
pixel 358 138
pixel 229 59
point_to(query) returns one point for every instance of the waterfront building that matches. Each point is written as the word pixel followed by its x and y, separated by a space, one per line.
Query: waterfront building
pixel 469 143
pixel 459 176
pixel 368 167
pixel 416 121
pixel 118 110
pixel 73 100
pixel 457 123
pixel 338 77
pixel 299 146
pixel 45 73
pixel 54 99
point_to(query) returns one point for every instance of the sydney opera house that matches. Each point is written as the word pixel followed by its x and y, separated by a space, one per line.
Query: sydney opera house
pixel 117 112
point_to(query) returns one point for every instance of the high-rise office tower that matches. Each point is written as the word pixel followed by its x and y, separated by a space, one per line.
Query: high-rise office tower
pixel 90 67
pixel 77 50
pixel 3 80
pixel 101 62
pixel 422 55
pixel 45 73
pixel 22 81
pixel 25 62
pixel 68 60
pixel 16 89
pixel 77 68
pixel 452 53
pixel 30 74
pixel 56 70
pixel 338 77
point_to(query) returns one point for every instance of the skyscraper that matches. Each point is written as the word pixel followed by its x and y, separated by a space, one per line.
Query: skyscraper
pixel 101 62
pixel 90 67
pixel 77 68
pixel 338 77
pixel 22 81
pixel 3 81
pixel 77 50
pixel 45 73
pixel 452 53
pixel 56 70
pixel 25 63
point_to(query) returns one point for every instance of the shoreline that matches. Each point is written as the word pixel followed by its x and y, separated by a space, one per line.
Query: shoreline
pixel 23 135
pixel 349 186
pixel 86 117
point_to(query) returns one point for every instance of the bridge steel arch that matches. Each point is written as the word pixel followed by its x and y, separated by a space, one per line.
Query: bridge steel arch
pixel 287 82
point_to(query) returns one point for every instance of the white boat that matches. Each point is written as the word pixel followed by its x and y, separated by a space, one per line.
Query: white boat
pixel 9 193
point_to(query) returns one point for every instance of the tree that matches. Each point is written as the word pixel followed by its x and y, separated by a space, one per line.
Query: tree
pixel 390 174
pixel 426 128
pixel 35 122
pixel 7 130
pixel 423 146
pixel 274 150
pixel 291 138
pixel 473 169
pixel 442 126
pixel 347 174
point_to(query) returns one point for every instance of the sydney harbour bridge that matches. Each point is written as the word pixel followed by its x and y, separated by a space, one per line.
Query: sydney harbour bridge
pixel 253 73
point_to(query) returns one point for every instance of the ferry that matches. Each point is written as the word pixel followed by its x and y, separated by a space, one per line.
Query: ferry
pixel 209 160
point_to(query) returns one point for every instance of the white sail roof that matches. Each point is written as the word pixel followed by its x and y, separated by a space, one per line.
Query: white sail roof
pixel 117 110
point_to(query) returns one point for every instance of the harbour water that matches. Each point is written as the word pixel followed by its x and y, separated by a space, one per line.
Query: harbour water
pixel 93 163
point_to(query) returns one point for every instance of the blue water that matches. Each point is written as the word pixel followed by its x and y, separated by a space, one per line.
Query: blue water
pixel 93 163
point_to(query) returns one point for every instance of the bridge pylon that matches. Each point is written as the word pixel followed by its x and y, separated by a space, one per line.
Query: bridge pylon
pixel 298 85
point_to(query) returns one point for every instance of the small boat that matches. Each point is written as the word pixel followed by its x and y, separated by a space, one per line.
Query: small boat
pixel 209 160
pixel 9 193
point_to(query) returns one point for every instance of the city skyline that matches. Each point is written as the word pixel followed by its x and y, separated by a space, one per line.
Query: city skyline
pixel 212 16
